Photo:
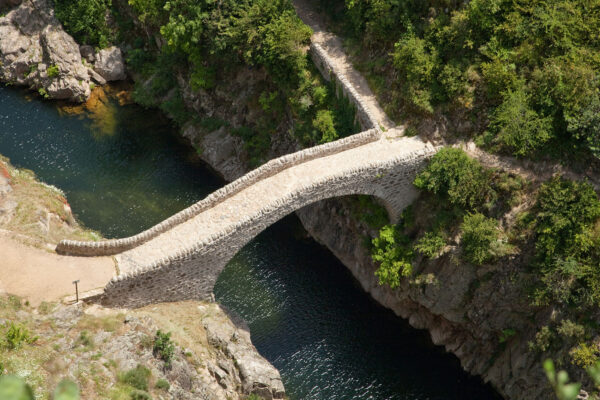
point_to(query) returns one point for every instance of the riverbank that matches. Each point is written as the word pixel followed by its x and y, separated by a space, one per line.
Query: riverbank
pixel 110 353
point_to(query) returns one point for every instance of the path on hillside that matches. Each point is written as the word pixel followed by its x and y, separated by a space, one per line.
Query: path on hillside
pixel 38 275
pixel 342 65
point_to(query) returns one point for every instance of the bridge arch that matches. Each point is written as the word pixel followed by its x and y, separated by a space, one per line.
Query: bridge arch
pixel 169 268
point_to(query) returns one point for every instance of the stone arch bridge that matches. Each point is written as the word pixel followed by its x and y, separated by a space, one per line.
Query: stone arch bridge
pixel 182 257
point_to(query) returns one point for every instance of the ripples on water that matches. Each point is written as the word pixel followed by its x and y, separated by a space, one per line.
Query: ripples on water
pixel 124 170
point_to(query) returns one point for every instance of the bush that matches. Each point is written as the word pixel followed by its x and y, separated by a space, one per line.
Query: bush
pixel 53 71
pixel 394 256
pixel 453 174
pixel 415 63
pixel 567 212
pixel 584 355
pixel 17 335
pixel 323 123
pixel 85 20
pixel 518 127
pixel 568 243
pixel 431 244
pixel 543 340
pixel 162 384
pixel 137 377
pixel 571 330
pixel 164 348
pixel 479 235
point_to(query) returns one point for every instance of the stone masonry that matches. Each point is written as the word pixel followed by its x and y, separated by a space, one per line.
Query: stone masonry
pixel 182 257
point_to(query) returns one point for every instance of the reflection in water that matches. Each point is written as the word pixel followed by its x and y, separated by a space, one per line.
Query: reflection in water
pixel 124 170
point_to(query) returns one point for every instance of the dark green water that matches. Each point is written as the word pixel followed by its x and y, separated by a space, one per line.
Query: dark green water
pixel 307 315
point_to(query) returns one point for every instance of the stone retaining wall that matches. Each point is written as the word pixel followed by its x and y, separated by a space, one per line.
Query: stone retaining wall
pixel 327 68
pixel 190 273
pixel 115 246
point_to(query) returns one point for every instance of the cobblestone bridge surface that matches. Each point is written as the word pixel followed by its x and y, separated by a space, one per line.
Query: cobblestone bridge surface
pixel 182 257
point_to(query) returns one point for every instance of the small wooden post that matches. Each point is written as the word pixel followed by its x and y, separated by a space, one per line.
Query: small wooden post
pixel 76 291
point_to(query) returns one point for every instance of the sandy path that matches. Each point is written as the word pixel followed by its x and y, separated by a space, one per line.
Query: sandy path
pixel 38 275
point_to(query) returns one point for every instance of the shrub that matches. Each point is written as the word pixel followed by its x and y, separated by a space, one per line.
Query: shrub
pixel 567 212
pixel 415 64
pixel 323 123
pixel 137 377
pixel 85 20
pixel 53 71
pixel 17 335
pixel 431 244
pixel 164 348
pixel 479 234
pixel 584 355
pixel 571 330
pixel 518 127
pixel 543 340
pixel 453 174
pixel 162 384
pixel 394 256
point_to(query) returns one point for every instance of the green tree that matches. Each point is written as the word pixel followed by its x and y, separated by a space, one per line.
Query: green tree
pixel 393 255
pixel 479 238
pixel 453 174
pixel 323 123
pixel 517 126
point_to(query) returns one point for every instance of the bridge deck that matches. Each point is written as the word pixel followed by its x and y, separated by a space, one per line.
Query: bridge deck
pixel 253 199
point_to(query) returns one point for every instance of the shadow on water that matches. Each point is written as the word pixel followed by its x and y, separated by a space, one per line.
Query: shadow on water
pixel 124 169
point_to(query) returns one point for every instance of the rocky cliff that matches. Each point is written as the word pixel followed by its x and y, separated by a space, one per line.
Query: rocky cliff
pixel 35 51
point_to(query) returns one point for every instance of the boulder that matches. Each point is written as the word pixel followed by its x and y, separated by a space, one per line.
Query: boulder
pixel 87 53
pixel 110 65
pixel 35 51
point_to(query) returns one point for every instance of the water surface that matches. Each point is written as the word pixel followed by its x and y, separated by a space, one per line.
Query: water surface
pixel 124 169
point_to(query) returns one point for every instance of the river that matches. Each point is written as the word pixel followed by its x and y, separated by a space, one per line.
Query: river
pixel 124 169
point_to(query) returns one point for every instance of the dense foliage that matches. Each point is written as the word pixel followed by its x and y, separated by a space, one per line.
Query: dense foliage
pixel 568 242
pixel 460 199
pixel 85 20
pixel 529 67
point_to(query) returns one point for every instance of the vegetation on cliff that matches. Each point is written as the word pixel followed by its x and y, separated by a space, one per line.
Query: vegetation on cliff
pixel 475 215
pixel 527 69
pixel 203 43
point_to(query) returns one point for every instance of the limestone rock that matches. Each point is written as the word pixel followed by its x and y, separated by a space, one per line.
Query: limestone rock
pixel 35 51
pixel 110 65
pixel 87 53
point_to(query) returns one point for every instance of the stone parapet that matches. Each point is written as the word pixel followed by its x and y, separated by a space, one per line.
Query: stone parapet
pixel 115 246
pixel 328 69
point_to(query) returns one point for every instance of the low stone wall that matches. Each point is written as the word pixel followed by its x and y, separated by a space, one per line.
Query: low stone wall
pixel 115 246
pixel 190 273
pixel 327 68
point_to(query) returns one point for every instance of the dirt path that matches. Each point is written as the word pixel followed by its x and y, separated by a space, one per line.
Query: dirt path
pixel 38 275
pixel 334 48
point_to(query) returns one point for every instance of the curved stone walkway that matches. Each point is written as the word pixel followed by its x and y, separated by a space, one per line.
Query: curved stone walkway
pixel 229 214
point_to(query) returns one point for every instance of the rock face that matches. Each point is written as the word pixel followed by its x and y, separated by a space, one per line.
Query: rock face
pixel 35 51
pixel 109 64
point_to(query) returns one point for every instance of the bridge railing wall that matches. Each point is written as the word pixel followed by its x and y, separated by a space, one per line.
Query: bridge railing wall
pixel 327 67
pixel 115 246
